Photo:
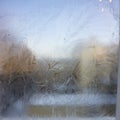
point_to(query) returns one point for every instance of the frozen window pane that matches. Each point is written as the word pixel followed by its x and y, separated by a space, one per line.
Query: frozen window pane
pixel 59 58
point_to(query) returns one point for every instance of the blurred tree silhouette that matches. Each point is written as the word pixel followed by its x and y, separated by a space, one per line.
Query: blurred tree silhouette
pixel 17 67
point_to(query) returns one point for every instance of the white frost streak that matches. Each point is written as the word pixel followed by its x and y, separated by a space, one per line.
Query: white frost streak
pixel 78 99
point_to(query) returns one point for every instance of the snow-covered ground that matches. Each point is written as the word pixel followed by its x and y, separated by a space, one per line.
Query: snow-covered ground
pixel 17 111
pixel 72 99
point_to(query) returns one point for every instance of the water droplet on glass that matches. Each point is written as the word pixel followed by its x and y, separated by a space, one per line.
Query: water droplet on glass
pixel 110 1
pixel 102 10
pixel 100 0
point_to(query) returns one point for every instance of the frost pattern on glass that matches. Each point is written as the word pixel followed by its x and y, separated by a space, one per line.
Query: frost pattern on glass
pixel 58 58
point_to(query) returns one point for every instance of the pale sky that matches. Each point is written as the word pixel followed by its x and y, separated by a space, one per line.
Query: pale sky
pixel 50 27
